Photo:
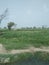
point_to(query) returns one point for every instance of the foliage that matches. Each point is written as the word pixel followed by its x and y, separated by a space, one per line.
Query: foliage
pixel 38 58
pixel 10 24
pixel 18 39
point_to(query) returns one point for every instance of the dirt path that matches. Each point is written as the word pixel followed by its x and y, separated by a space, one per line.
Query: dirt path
pixel 30 49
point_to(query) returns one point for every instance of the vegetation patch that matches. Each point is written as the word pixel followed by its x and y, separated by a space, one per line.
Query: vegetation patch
pixel 19 39
pixel 7 58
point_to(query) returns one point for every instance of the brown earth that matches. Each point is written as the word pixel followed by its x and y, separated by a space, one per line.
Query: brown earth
pixel 16 51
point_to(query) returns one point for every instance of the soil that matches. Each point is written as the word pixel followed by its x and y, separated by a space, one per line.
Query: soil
pixel 16 51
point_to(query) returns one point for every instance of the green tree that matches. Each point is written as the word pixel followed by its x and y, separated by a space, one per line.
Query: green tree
pixel 10 25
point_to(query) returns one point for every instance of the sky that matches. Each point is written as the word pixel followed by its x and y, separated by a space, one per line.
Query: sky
pixel 25 13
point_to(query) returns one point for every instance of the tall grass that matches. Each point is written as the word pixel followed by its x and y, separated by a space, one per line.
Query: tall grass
pixel 38 58
pixel 17 39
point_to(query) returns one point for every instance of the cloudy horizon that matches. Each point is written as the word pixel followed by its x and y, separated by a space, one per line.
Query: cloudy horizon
pixel 25 13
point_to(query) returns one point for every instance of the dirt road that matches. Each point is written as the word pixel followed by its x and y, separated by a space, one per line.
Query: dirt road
pixel 29 49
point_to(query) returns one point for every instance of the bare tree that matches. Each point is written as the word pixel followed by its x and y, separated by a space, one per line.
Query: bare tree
pixel 2 16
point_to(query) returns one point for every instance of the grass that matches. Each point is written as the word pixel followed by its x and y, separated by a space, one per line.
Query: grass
pixel 18 39
pixel 27 58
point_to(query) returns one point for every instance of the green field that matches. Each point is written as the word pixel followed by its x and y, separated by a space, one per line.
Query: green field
pixel 18 39
pixel 38 58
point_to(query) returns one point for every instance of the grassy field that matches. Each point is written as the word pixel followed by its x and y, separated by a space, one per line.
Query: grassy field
pixel 18 39
pixel 38 58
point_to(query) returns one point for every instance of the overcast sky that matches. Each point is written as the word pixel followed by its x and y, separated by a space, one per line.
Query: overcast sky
pixel 26 13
